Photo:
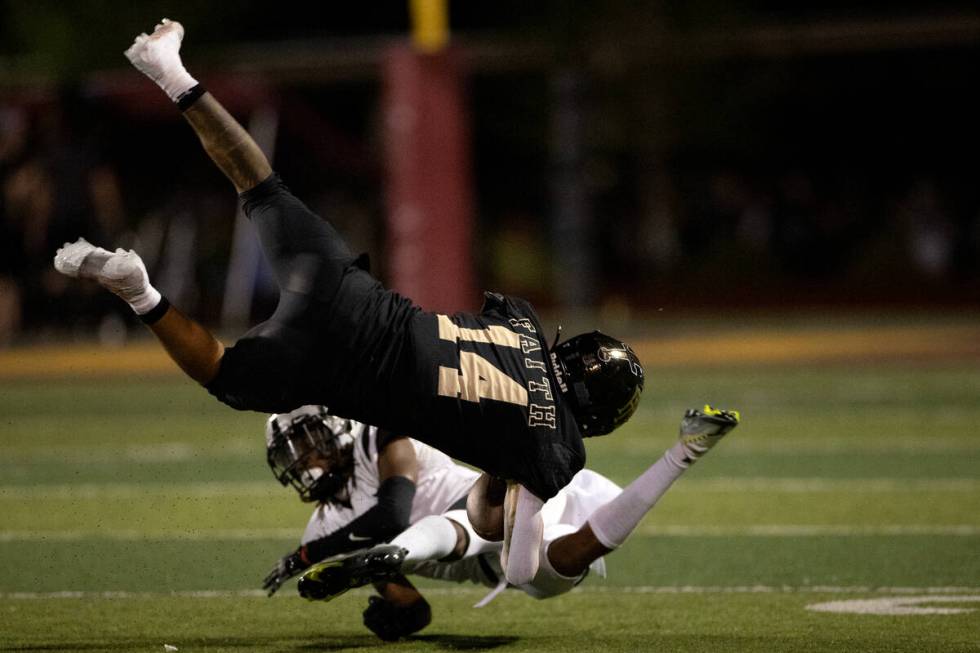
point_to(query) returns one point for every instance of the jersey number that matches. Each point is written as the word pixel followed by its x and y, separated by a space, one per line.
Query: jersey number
pixel 477 379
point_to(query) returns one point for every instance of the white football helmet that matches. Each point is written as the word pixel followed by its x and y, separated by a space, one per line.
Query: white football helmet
pixel 311 450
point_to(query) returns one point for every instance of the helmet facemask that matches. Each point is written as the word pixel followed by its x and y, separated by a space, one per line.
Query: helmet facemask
pixel 312 451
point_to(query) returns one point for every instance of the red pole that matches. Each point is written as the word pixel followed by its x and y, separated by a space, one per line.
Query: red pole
pixel 429 180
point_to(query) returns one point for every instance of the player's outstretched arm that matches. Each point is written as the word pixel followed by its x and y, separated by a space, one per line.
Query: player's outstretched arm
pixel 400 610
pixel 190 345
pixel 195 350
pixel 236 154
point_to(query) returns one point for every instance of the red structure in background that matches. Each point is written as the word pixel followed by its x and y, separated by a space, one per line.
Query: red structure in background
pixel 428 179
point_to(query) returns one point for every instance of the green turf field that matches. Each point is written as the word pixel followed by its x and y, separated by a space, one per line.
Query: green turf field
pixel 137 512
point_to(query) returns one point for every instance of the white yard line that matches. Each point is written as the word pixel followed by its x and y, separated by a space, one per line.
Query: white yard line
pixel 266 488
pixel 205 490
pixel 823 484
pixel 809 530
pixel 897 605
pixel 652 530
pixel 468 590
pixel 136 535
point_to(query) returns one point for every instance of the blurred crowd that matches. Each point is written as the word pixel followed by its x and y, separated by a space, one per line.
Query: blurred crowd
pixel 69 167
pixel 54 185
pixel 61 178
pixel 757 233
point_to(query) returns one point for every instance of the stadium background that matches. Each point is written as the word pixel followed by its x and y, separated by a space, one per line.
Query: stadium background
pixel 778 204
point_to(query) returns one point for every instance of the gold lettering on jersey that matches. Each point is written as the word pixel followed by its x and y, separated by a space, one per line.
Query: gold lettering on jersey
pixel 523 323
pixel 532 364
pixel 544 387
pixel 529 344
pixel 477 379
pixel 541 416
pixel 494 334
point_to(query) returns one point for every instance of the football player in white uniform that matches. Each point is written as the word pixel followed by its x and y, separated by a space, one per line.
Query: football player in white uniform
pixel 590 517
pixel 368 485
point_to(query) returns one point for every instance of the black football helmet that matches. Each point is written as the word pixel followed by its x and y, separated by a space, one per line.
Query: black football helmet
pixel 602 379
pixel 311 450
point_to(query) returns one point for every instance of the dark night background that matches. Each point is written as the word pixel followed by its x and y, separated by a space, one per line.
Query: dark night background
pixel 747 153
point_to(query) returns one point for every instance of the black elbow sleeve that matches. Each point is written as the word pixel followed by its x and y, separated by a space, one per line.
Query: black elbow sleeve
pixel 395 505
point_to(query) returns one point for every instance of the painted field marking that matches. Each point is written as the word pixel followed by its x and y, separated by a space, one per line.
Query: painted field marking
pixel 245 449
pixel 267 488
pixel 823 484
pixel 809 530
pixel 205 490
pixel 763 344
pixel 896 605
pixel 660 530
pixel 132 535
pixel 934 594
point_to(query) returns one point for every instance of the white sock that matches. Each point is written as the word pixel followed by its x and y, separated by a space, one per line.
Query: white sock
pixel 476 544
pixel 613 522
pixel 430 538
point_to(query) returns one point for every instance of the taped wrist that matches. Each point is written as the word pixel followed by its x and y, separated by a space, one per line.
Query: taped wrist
pixel 145 302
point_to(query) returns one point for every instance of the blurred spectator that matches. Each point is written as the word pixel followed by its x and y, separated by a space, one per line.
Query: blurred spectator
pixel 55 188
pixel 927 229
pixel 13 141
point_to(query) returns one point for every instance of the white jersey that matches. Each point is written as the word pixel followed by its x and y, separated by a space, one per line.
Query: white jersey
pixel 440 483
pixel 564 513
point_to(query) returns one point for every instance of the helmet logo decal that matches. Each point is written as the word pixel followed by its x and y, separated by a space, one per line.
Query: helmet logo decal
pixel 606 354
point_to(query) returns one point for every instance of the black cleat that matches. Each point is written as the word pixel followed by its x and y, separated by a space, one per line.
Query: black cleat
pixel 329 579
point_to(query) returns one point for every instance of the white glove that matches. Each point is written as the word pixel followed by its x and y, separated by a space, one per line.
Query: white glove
pixel 120 272
pixel 158 57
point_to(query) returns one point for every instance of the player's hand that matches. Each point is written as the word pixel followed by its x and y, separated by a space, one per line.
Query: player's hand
pixel 287 567
pixel 390 621
pixel 120 272
pixel 708 422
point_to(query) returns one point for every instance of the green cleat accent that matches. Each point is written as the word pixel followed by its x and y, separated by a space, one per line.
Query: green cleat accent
pixel 329 579
pixel 703 429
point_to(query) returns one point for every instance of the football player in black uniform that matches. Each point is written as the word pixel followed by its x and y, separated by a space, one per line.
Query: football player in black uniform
pixel 483 388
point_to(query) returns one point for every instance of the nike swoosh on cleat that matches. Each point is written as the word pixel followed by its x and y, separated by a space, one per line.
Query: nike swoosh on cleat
pixel 358 538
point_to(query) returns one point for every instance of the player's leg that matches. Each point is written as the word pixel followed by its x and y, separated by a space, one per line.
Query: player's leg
pixel 436 538
pixel 432 538
pixel 287 228
pixel 329 579
pixel 610 524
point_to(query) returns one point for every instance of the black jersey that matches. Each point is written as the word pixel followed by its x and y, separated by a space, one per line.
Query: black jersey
pixel 478 387
pixel 487 395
